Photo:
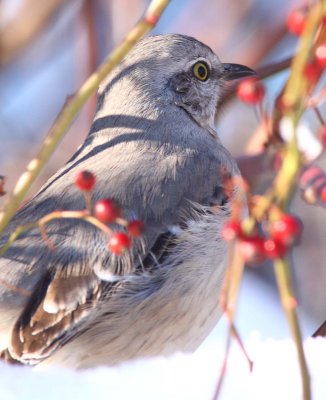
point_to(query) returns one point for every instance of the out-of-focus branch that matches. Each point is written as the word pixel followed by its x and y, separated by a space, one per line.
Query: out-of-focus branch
pixel 263 72
pixel 267 70
pixel 73 105
pixel 41 223
pixel 293 100
pixel 256 169
pixel 31 18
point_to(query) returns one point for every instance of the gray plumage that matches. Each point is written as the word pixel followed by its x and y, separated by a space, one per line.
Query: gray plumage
pixel 153 148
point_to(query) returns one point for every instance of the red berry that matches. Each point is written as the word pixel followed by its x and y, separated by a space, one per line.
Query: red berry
pixel 231 230
pixel 119 242
pixel 320 54
pixel 85 180
pixel 251 91
pixel 135 228
pixel 274 248
pixel 322 194
pixel 107 210
pixel 312 71
pixel 251 249
pixel 296 21
pixel 286 229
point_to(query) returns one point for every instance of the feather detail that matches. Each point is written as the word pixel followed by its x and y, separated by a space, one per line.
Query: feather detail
pixel 38 332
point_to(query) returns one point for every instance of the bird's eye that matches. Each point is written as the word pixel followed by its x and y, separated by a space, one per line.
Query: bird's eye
pixel 201 71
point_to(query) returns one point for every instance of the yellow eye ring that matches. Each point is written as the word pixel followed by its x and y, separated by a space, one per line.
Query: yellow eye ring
pixel 201 71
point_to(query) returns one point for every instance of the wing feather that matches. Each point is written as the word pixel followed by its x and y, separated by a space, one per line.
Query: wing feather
pixel 155 178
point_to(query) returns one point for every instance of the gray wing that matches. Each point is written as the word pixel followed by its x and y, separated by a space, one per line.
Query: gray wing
pixel 155 179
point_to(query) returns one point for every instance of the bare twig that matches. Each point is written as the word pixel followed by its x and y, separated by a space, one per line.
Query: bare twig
pixel 282 272
pixel 71 108
pixel 220 381
pixel 41 224
pixel 262 72
pixel 271 69
pixel 228 302
pixel 321 331
pixel 318 115
pixel 15 289
pixel 17 34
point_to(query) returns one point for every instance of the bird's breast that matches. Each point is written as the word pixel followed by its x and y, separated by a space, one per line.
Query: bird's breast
pixel 176 316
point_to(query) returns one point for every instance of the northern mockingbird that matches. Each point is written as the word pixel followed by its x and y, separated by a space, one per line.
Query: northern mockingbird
pixel 154 150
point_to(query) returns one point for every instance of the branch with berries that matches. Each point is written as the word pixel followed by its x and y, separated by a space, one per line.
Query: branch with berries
pixel 72 106
pixel 270 231
pixel 104 213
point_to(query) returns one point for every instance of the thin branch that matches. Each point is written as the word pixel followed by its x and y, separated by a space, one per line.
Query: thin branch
pixel 220 381
pixel 228 301
pixel 271 69
pixel 293 98
pixel 73 105
pixel 321 331
pixel 15 289
pixel 262 72
pixel 319 115
pixel 41 224
pixel 282 273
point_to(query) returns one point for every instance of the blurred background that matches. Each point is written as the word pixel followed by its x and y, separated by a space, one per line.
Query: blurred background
pixel 48 48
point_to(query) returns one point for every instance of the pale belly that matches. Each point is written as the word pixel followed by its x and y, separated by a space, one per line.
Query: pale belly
pixel 176 317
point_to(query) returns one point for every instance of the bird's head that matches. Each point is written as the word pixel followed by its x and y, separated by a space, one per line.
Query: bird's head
pixel 173 69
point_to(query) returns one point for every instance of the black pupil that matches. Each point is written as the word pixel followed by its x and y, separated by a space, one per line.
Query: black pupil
pixel 201 71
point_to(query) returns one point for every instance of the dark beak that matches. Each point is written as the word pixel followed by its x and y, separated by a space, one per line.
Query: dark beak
pixel 236 71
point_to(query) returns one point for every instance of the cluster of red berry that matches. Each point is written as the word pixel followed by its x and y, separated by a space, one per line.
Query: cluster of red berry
pixel 313 179
pixel 296 23
pixel 280 235
pixel 108 211
pixel 316 64
pixel 251 90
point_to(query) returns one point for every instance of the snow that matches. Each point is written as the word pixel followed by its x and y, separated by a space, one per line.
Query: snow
pixel 193 376
pixel 275 376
